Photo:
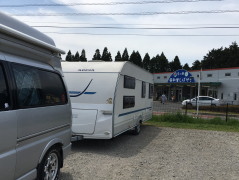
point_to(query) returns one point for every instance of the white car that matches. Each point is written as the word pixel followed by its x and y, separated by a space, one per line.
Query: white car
pixel 203 101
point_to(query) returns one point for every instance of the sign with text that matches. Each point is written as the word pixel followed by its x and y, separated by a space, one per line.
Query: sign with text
pixel 181 76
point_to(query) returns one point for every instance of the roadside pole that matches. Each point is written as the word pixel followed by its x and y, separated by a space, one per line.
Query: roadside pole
pixel 199 82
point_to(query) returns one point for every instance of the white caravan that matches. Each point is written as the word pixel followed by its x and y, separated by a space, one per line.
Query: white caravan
pixel 108 98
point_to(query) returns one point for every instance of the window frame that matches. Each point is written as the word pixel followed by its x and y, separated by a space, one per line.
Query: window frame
pixel 129 82
pixel 39 71
pixel 4 69
pixel 128 102
pixel 143 90
pixel 151 91
pixel 227 74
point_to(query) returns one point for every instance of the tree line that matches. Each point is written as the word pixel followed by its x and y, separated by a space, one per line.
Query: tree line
pixel 216 58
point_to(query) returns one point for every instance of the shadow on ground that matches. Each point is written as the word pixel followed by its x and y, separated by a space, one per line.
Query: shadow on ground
pixel 124 145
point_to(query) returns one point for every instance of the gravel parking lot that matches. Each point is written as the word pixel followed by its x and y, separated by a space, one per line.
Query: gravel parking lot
pixel 157 153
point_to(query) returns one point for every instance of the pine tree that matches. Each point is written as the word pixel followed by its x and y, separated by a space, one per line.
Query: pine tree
pixel 138 60
pixel 82 56
pixel 106 56
pixel 109 56
pixel 77 57
pixel 162 63
pixel 175 64
pixel 186 67
pixel 146 62
pixel 68 56
pixel 125 55
pixel 196 65
pixel 153 65
pixel 118 57
pixel 97 55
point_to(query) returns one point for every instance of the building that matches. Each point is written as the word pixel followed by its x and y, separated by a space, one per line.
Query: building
pixel 181 84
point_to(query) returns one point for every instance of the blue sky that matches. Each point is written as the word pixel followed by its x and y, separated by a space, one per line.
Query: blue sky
pixel 180 42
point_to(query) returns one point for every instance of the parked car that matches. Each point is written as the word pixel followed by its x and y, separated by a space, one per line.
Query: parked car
pixel 203 101
pixel 35 108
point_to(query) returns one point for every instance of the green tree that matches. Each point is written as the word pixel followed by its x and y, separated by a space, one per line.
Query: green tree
pixel 175 64
pixel 162 63
pixel 186 67
pixel 136 59
pixel 146 62
pixel 153 65
pixel 77 56
pixel 106 56
pixel 97 55
pixel 118 57
pixel 82 56
pixel 222 57
pixel 125 55
pixel 68 56
pixel 196 65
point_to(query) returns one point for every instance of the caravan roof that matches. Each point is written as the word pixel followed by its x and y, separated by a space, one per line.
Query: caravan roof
pixel 123 67
pixel 94 67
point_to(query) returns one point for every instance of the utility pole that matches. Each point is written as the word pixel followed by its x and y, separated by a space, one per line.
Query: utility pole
pixel 199 83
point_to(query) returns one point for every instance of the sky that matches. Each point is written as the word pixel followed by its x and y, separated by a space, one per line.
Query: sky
pixel 188 29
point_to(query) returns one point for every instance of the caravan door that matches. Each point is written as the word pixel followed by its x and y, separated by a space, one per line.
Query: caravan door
pixel 84 120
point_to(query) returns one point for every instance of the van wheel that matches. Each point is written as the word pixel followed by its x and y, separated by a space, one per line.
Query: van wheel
pixel 49 168
pixel 136 129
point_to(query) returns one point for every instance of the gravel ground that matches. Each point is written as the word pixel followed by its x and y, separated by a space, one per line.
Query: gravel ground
pixel 157 153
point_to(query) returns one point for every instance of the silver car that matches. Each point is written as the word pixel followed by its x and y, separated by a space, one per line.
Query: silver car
pixel 202 101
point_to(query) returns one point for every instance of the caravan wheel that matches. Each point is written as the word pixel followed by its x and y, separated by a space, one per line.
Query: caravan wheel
pixel 136 129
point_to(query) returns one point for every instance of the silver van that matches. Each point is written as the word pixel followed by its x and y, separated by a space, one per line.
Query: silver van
pixel 35 110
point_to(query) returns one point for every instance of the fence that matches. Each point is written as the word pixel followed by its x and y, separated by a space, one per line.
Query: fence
pixel 224 111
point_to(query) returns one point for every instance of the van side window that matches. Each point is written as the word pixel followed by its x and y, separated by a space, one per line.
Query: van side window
pixel 143 94
pixel 128 102
pixel 151 90
pixel 38 87
pixel 4 97
pixel 129 82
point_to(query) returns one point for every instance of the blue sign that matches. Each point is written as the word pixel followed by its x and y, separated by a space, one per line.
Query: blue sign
pixel 181 76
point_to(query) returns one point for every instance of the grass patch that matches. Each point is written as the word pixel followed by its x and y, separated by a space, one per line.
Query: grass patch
pixel 187 122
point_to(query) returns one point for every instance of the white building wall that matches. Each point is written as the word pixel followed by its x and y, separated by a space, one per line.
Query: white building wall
pixel 228 91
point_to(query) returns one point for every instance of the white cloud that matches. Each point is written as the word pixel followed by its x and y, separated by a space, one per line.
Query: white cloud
pixel 187 48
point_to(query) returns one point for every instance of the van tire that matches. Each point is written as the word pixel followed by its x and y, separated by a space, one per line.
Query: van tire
pixel 136 129
pixel 49 168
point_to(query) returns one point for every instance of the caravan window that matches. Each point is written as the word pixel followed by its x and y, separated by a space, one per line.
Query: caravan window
pixel 128 102
pixel 38 87
pixel 4 99
pixel 129 82
pixel 143 90
pixel 151 90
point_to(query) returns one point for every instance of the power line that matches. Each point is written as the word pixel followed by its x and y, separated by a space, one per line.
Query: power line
pixel 187 35
pixel 143 24
pixel 109 3
pixel 149 28
pixel 127 14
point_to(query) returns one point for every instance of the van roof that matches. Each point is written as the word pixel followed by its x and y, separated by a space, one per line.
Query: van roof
pixel 19 30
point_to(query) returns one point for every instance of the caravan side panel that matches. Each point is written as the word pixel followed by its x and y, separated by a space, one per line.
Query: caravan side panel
pixel 133 102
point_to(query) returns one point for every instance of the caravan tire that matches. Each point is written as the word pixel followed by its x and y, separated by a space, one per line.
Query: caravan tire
pixel 136 129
